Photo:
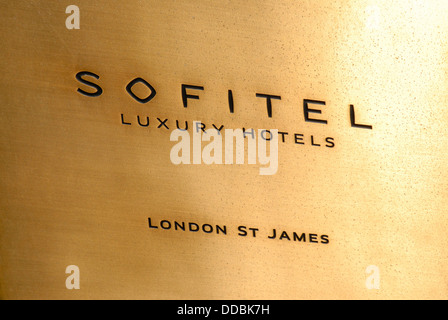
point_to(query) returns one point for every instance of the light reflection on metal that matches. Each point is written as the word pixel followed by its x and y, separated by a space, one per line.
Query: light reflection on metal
pixel 87 180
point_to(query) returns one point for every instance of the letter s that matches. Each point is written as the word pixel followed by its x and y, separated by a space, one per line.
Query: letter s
pixel 79 77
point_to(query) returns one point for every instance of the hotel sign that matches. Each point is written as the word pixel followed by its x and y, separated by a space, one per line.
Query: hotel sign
pixel 223 150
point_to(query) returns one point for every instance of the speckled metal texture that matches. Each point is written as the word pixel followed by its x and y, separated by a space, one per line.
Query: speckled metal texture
pixel 80 176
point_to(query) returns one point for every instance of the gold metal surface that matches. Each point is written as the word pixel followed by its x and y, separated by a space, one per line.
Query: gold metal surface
pixel 78 186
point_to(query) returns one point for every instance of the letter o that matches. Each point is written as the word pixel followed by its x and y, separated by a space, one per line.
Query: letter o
pixel 209 227
pixel 132 94
pixel 165 222
pixel 264 137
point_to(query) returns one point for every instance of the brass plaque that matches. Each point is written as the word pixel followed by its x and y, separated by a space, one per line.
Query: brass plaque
pixel 93 206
